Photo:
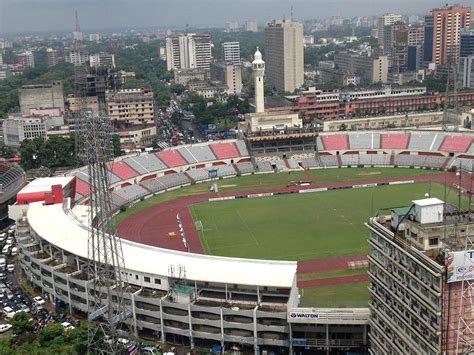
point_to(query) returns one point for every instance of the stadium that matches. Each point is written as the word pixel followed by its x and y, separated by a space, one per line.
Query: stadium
pixel 273 258
pixel 12 179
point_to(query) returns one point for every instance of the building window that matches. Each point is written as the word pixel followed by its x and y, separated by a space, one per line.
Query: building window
pixel 158 281
pixel 146 279
pixel 433 242
pixel 136 277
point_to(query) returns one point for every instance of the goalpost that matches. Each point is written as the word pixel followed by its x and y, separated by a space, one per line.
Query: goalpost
pixel 199 226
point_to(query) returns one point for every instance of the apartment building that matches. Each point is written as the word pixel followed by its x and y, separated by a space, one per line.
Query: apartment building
pixel 188 51
pixel 130 107
pixel 231 52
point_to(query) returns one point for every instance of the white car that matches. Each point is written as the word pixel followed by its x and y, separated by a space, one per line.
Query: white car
pixel 38 300
pixel 10 267
pixel 14 251
pixel 67 325
pixel 5 327
pixel 8 312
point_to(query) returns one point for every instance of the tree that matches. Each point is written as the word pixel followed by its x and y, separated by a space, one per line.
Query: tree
pixel 116 145
pixel 5 151
pixel 51 333
pixel 22 324
pixel 343 127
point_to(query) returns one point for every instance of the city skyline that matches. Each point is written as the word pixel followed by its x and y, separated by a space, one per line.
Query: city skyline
pixel 22 16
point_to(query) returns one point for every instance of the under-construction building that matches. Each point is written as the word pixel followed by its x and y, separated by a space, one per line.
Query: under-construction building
pixel 419 274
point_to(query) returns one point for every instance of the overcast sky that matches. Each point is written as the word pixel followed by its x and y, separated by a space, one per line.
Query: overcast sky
pixel 58 15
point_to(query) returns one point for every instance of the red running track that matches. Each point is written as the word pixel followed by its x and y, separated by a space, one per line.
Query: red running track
pixel 152 225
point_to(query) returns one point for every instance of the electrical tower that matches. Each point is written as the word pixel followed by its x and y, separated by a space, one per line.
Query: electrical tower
pixel 451 115
pixel 465 328
pixel 107 308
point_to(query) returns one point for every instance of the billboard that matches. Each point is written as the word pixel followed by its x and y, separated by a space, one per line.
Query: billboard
pixel 302 315
pixel 460 265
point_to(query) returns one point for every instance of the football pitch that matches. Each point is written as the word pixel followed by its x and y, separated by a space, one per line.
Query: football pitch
pixel 301 226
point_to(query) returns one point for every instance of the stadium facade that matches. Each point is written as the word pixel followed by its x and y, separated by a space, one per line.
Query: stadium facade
pixel 197 299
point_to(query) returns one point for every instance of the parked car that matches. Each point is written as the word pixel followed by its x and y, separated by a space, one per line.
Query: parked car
pixel 67 325
pixel 8 294
pixel 5 327
pixel 14 251
pixel 8 312
pixel 38 300
pixel 10 267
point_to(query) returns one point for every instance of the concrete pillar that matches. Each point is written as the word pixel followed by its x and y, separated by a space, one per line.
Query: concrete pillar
pixel 327 339
pixel 162 323
pixel 255 332
pixel 134 314
pixel 191 340
pixel 222 329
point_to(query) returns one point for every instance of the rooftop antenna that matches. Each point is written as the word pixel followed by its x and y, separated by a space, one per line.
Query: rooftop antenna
pixel 187 29
pixel 78 27
pixel 291 13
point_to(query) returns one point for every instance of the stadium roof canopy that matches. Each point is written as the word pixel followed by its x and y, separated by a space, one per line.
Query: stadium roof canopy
pixel 65 229
pixel 45 184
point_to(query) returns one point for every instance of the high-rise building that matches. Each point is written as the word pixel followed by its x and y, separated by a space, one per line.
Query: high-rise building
pixel 467 43
pixel 395 45
pixel 188 51
pixel 26 59
pixel 52 57
pixel 232 26
pixel 447 24
pixel 370 69
pixel 415 35
pixel 284 55
pixel 102 60
pixel 386 20
pixel 1 58
pixel 466 71
pixel 94 37
pixel 428 39
pixel 76 57
pixel 229 74
pixel 45 96
pixel 130 107
pixel 420 301
pixel 231 52
pixel 251 26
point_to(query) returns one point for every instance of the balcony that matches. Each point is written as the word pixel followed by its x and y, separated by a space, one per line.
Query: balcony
pixel 205 315
pixel 206 329
pixel 66 269
pixel 237 319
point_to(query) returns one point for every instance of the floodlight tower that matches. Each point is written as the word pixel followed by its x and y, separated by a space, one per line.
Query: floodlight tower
pixel 107 309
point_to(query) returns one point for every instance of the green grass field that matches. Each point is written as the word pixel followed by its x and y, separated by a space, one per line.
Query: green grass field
pixel 300 226
pixel 261 181
pixel 355 294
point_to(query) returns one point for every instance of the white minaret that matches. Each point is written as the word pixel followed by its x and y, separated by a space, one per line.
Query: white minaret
pixel 258 66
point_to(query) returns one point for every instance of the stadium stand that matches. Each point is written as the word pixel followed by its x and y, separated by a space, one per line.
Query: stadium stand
pixel 319 143
pixel 437 141
pixel 171 158
pixel 309 163
pixel 198 174
pixel 114 178
pixel 434 161
pixel 131 192
pixel 360 140
pixel 466 164
pixel 122 170
pixel 280 165
pixel 153 185
pixel 197 154
pixel 335 141
pixel 263 166
pixel 350 159
pixel 375 140
pixel 226 170
pixel 328 160
pixel 225 150
pixel 242 148
pixel 471 149
pixel 117 200
pixel 293 164
pixel 409 160
pixel 245 167
pixel 394 141
pixel 456 143
pixel 379 159
pixel 145 163
pixel 421 141
pixel 82 187
pixel 173 180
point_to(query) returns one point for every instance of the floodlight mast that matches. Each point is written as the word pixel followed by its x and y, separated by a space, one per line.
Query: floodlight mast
pixel 108 312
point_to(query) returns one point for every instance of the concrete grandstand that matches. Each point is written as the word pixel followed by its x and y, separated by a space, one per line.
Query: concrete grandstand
pixel 252 303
